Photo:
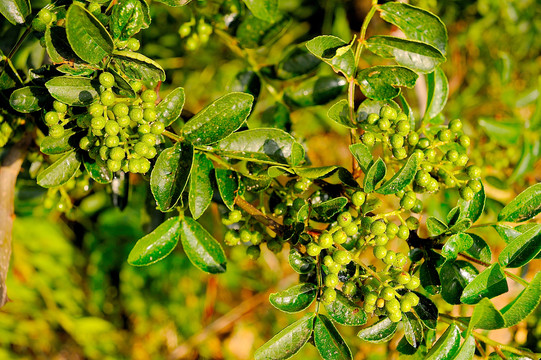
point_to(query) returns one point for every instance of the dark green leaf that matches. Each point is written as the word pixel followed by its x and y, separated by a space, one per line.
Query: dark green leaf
pixel 473 209
pixel 339 112
pixel 174 3
pixel 489 283
pixel 287 342
pixel 15 11
pixel 228 186
pixel 253 32
pixel 416 23
pixel 246 82
pixel 170 175
pixel 402 178
pixel 524 304
pixel 522 249
pixel 480 249
pixel 315 91
pixel 345 312
pixel 126 19
pixel 382 331
pixel 138 67
pixel 405 348
pixel 382 82
pixel 524 207
pixel 374 176
pixel 60 172
pixel 427 311
pixel 316 172
pixel 467 350
pixel 87 36
pixel 447 345
pixel 28 99
pixel 156 245
pixel 325 211
pixel 54 146
pixel 454 277
pixel 456 244
pixel 435 226
pixel 9 77
pixel 413 330
pixel 219 119
pixel 485 316
pixel 407 110
pixel 297 62
pixel 416 55
pixel 428 275
pixel 201 191
pixel 301 264
pixel 98 170
pixel 503 132
pixel 276 116
pixel 122 87
pixel 363 155
pixel 73 90
pixel 263 9
pixel 202 249
pixel 335 52
pixel 170 108
pixel 294 299
pixel 328 341
pixel 438 92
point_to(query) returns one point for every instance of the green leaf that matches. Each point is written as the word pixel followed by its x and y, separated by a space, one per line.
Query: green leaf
pixel 316 172
pixel 456 244
pixel 276 116
pixel 219 119
pixel 503 132
pixel 416 55
pixel 339 112
pixel 524 207
pixel 485 316
pixel 524 304
pixel 73 90
pixel 138 67
pixel 253 32
pixel 156 245
pixel 294 299
pixel 126 19
pixel 454 277
pixel 489 283
pixel 363 155
pixel 246 82
pixel 405 348
pixel 531 151
pixel 262 145
pixel 522 249
pixel 413 330
pixel 382 82
pixel 98 170
pixel 435 226
pixel 54 146
pixel 374 176
pixel 87 36
pixel 416 23
pixel 201 192
pixel 467 350
pixel 428 275
pixel 28 99
pixel 480 249
pixel 174 3
pixel 345 312
pixel 460 226
pixel 317 90
pixel 296 62
pixel 402 178
pixel 438 92
pixel 60 172
pixel 287 342
pixel 427 311
pixel 329 49
pixel 170 175
pixel 301 264
pixel 263 9
pixel 473 209
pixel 328 341
pixel 9 77
pixel 228 186
pixel 370 106
pixel 407 110
pixel 447 345
pixel 202 249
pixel 15 11
pixel 325 211
pixel 382 331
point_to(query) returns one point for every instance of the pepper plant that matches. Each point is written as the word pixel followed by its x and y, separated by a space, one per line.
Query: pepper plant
pixel 91 112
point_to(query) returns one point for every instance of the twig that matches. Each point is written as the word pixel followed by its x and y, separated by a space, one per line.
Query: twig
pixel 507 273
pixel 259 216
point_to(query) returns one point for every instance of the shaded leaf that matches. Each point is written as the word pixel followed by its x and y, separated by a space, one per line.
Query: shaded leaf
pixel 435 226
pixel 299 263
pixel 467 350
pixel 201 192
pixel 454 277
pixel 330 49
pixel 339 112
pixel 374 176
pixel 402 178
pixel 228 185
pixel 413 330
pixel 363 155
pixel 28 99
pixel 383 82
pixel 427 311
pixel 98 170
pixel 382 331
pixel 480 249
pixel 297 62
pixel 315 91
pixel 156 245
pixel 54 146
pixel 263 9
pixel 138 67
pixel 503 132
pixel 345 312
pixel 253 32
pixel 327 210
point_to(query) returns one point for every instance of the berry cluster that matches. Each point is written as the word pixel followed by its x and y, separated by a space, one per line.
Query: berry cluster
pixel 196 38
pixel 248 233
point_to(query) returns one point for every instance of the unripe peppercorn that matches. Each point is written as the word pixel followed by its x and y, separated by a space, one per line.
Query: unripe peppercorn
pixel 455 125
pixel 341 257
pixel 340 237
pixel 329 296
pixel 466 193
pixel 372 118
pixel 445 135
pixel 351 230
pixel 107 80
pixel 331 280
pixel 388 112
pixel 473 172
pixel 313 249
pixel 397 141
pixel 423 143
pixel 344 219
pixel 412 223
pixel 378 227
pixel 325 240
pixel 368 139
pixel 403 127
pixel 384 124
pixel 380 252
pixel 149 96
pixel 253 252
pixel 475 185
pixel 464 140
pixel 387 293
pixel 413 138
pixel 403 232
pixel 358 198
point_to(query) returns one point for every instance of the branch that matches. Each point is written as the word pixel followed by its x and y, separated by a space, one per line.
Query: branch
pixel 259 216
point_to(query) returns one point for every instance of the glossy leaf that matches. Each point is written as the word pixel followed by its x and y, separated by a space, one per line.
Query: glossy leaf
pixel 297 62
pixel 480 249
pixel 98 170
pixel 460 226
pixel 201 192
pixel 345 312
pixel 60 172
pixel 473 209
pixel 9 77
pixel 363 155
pixel 522 249
pixel 335 52
pixel 219 119
pixel 315 91
pixel 435 226
pixel 299 263
pixel 126 19
pixel 523 207
pixel 415 55
pixel 383 82
pixel 456 244
pixel 328 341
pixel 316 172
pixel 122 87
pixel 454 277
pixel 467 349
pixel 173 3
pixel 263 9
pixel 447 345
pixel 73 90
pixel 427 311
pixel 287 342
pixel 201 248
pixel 438 92
pixel 87 36
pixel 15 11
pixel 374 176
pixel 228 185
pixel 339 112
pixel 54 146
pixel 524 304
pixel 382 331
pixel 413 330
pixel 489 283
pixel 28 99
pixel 485 316
pixel 294 299
pixel 170 175
pixel 428 275
pixel 253 32
pixel 325 211
pixel 402 178
pixel 156 245
pixel 138 67
pixel 416 23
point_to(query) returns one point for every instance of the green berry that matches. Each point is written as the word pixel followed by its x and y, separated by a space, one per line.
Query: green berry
pixel 368 139
pixel 133 44
pixel 38 25
pixel 46 16
pixel 149 96
pixel 395 316
pixel 422 178
pixel 325 240
pixel 51 118
pixel 358 198
pixel 60 107
pixel 432 185
pixel 397 141
pixel 430 154
pixel 412 223
pixel 344 219
pixel 455 125
pixel 462 160
pixel 340 237
pixel 112 141
pixel 95 110
pixel 412 297
pixel 56 131
pixel 423 143
pixel 114 165
pixel 235 216
pixel 107 80
pixel 400 260
pixel 392 230
pixel 418 207
pixel 400 153
pixel 475 185
pixel 387 293
pixel 473 172
pixel 84 143
pixel 371 298
pixel 349 288
pixel 136 114
pixel 313 249
pixel 413 138
pixel 389 257
pixel 466 193
pixel 328 260
pixel 380 252
pixel 388 112
pixel 403 128
pixel 121 109
pixel 403 277
pixel 392 305
pixel 381 240
pixel 245 235
pixel 117 154
pixel 445 135
pixel 351 230
pixel 372 118
pixel 405 305
pixel 331 280
pixel 184 30
pixel 403 232
pixel 329 296
pixel 341 257
pixel 144 129
pixel 334 268
pixel 157 128
pixel 107 98
pixel 98 123
pixel 378 227
pixel 111 127
pixel 253 252
pixel 413 284
pixel 407 202
pixel 384 124
pixel 452 155
pixel 464 141
pixel 274 246
pixel 123 121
